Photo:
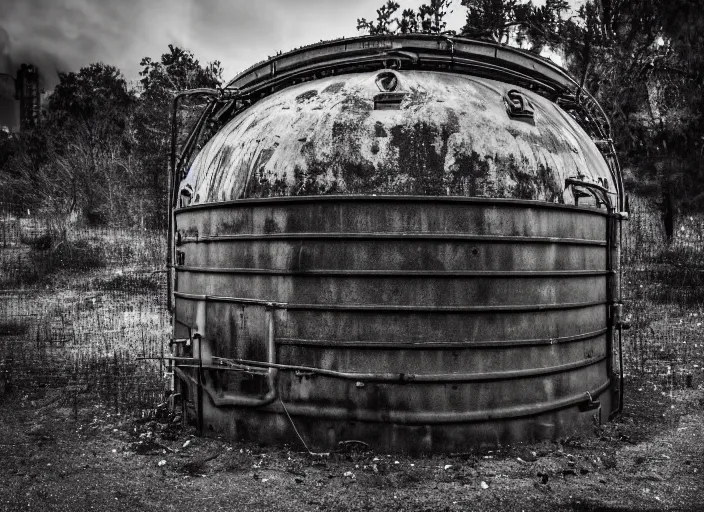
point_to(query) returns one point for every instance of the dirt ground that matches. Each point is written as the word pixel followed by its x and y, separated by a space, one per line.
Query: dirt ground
pixel 57 454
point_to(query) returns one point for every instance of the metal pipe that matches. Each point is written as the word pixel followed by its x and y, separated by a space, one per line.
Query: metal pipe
pixel 201 323
pixel 316 411
pixel 200 387
pixel 619 324
pixel 172 187
pixel 620 367
pixel 194 135
pixel 392 308
pixel 437 345
pixel 411 377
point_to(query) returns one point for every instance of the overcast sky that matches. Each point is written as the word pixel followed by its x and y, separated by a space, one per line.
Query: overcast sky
pixel 64 35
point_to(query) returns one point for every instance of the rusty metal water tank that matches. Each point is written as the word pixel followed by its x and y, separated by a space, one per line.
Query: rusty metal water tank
pixel 410 241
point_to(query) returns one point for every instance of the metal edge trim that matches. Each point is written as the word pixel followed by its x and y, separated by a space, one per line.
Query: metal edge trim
pixel 396 43
pixel 508 202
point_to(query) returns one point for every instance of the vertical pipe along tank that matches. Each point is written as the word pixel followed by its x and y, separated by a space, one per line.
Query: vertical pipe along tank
pixel 410 241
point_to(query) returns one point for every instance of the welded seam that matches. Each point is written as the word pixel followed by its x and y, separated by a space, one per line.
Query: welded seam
pixel 394 273
pixel 392 236
pixel 353 198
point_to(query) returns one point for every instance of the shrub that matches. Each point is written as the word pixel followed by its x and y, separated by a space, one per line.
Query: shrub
pixel 76 255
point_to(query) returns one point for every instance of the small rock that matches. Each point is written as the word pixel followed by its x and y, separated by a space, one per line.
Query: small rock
pixel 348 474
pixel 543 478
pixel 298 480
pixel 448 466
pixel 185 445
pixel 484 485
pixel 177 419
pixel 162 462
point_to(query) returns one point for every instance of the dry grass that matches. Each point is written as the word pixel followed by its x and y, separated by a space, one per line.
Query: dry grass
pixel 79 312
pixel 94 300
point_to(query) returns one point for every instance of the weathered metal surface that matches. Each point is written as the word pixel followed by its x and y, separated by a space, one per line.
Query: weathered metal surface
pixel 451 135
pixel 382 245
pixel 462 321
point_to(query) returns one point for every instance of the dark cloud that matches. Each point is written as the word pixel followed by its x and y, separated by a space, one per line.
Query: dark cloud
pixel 65 35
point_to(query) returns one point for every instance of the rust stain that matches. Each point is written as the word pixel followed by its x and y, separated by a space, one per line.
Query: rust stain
pixel 450 136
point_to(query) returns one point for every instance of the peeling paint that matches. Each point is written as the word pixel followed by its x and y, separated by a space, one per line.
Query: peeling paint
pixel 333 88
pixel 450 136
pixel 306 96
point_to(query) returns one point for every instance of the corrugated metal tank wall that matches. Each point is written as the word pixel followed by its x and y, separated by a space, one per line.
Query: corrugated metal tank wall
pixel 344 292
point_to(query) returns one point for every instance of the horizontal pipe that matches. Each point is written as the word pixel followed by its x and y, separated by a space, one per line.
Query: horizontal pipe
pixel 515 308
pixel 315 411
pixel 395 273
pixel 436 345
pixel 438 378
pixel 169 358
pixel 337 413
pixel 220 367
pixel 462 237
pixel 498 203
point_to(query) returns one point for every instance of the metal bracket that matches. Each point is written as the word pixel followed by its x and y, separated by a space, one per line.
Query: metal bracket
pixel 388 100
pixel 518 105
pixel 589 404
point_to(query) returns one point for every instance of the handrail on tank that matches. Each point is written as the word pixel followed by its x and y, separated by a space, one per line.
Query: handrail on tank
pixel 615 297
pixel 173 169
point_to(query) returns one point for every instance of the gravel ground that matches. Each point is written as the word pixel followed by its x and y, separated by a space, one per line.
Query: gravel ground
pixel 54 456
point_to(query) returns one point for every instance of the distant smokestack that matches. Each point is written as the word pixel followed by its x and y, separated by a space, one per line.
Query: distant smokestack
pixel 9 106
pixel 27 92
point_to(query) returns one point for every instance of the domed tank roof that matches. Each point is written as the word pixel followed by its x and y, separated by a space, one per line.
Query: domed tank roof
pixel 399 132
